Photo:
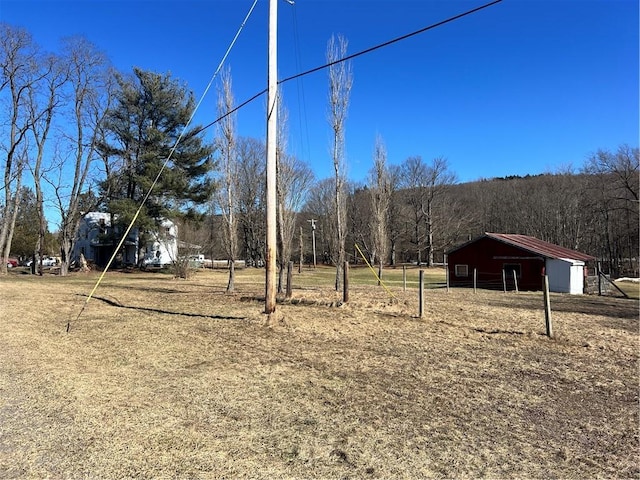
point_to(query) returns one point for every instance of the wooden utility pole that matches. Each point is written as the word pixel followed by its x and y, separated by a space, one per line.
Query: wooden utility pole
pixel 272 124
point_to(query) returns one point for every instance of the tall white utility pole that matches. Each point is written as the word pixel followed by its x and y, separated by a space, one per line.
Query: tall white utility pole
pixel 272 124
pixel 313 239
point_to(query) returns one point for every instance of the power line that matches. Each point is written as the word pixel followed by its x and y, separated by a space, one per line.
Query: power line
pixel 354 55
pixel 302 118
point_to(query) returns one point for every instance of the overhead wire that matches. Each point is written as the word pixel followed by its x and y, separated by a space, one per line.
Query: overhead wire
pixel 166 162
pixel 352 56
pixel 302 103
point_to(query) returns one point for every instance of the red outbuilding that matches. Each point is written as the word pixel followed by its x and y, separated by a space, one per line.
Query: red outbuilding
pixel 496 260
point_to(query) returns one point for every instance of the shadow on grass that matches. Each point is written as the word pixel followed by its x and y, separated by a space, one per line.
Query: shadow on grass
pixel 616 307
pixel 115 303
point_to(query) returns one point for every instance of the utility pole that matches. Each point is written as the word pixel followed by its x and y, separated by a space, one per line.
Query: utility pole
pixel 272 124
pixel 313 239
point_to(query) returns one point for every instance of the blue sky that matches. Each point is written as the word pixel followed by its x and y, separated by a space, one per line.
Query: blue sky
pixel 522 87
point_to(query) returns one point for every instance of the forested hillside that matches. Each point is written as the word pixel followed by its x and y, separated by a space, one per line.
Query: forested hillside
pixel 594 211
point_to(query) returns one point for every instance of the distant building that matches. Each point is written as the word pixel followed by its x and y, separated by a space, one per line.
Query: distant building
pixel 497 258
pixel 97 239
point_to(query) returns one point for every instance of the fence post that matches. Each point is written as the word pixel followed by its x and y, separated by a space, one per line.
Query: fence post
pixel 447 275
pixel 421 294
pixel 515 280
pixel 446 270
pixel 289 276
pixel 475 279
pixel 404 278
pixel 547 308
pixel 504 281
pixel 598 273
pixel 345 283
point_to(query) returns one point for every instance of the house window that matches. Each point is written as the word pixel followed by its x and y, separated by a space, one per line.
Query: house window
pixel 509 268
pixel 462 270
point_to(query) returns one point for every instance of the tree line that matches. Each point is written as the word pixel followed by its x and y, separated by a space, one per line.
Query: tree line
pixel 91 138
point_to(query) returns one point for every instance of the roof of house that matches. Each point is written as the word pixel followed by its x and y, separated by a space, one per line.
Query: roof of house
pixel 533 245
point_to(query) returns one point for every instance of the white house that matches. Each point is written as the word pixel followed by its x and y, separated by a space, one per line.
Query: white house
pixel 96 240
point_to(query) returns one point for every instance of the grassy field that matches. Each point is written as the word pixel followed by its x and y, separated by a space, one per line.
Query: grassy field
pixel 632 289
pixel 160 377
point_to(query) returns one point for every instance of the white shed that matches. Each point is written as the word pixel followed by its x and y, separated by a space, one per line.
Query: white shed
pixel 565 275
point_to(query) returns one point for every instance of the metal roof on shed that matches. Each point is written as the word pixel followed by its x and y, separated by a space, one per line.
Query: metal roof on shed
pixel 540 247
pixel 534 245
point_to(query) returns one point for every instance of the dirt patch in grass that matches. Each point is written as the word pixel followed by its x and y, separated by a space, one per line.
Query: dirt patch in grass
pixel 171 378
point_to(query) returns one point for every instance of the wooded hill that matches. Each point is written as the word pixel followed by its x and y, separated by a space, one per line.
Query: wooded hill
pixel 592 213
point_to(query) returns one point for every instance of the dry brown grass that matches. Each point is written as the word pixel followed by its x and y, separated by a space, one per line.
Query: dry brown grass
pixel 183 381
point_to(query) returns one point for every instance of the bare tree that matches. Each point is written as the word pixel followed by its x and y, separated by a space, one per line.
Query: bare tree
pixel 359 215
pixel 251 198
pixel 227 197
pixel 380 190
pixel 91 85
pixel 426 183
pixel 319 204
pixel 45 99
pixel 283 220
pixel 437 180
pixel 340 83
pixel 413 173
pixel 614 192
pixel 294 178
pixel 394 216
pixel 19 70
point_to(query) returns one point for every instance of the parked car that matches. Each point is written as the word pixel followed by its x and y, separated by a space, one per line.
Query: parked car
pixel 46 262
pixel 49 262
pixel 12 262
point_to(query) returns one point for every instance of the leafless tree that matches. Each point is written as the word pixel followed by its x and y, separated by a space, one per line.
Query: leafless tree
pixel 340 83
pixel 437 181
pixel 227 196
pixel 90 93
pixel 19 70
pixel 614 192
pixel 394 216
pixel 45 98
pixel 319 205
pixel 426 183
pixel 282 182
pixel 359 215
pixel 294 178
pixel 380 190
pixel 414 171
pixel 251 198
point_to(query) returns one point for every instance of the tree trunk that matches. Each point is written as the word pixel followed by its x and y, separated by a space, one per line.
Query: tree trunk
pixel 8 227
pixel 232 276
